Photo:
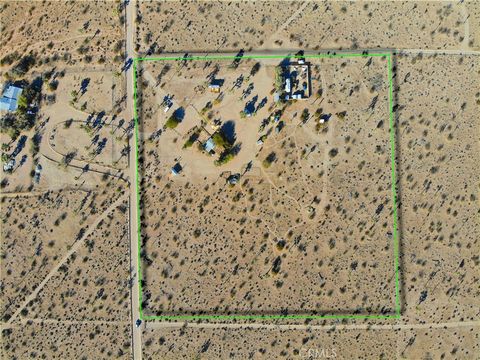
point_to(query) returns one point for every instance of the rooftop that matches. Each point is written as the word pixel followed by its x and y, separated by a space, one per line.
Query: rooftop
pixel 209 145
pixel 9 100
pixel 177 169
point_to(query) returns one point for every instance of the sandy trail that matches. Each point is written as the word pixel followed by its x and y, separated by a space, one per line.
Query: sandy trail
pixel 73 249
pixel 398 326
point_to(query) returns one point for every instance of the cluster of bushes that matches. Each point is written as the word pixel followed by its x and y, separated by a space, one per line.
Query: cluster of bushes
pixel 207 107
pixel 23 65
pixel 279 79
pixel 175 119
pixel 9 58
pixel 269 160
pixel 227 155
pixel 305 115
pixel 221 140
pixel 172 122
pixel 224 158
pixel 191 140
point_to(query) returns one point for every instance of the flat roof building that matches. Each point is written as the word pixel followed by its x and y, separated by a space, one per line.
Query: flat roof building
pixel 9 99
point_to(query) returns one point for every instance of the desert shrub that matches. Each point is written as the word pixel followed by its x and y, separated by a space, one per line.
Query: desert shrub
pixel 279 78
pixel 218 100
pixel 188 143
pixel 220 139
pixel 341 115
pixel 172 122
pixel 319 93
pixel 52 86
pixel 22 67
pixel 83 49
pixel 305 115
pixel 68 123
pixel 207 107
pixel 269 160
pixel 255 69
pixel 35 143
pixel 9 58
pixel 333 152
pixel 8 126
pixel 224 158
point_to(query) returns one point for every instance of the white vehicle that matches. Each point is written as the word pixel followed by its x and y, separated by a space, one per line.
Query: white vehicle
pixel 168 107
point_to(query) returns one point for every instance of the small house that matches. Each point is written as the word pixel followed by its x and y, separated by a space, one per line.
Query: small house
pixel 168 107
pixel 209 146
pixel 9 99
pixel 176 169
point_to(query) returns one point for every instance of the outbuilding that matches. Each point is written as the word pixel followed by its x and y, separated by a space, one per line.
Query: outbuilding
pixel 176 169
pixel 214 88
pixel 209 145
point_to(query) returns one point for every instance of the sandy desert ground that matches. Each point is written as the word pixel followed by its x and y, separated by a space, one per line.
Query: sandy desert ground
pixel 73 33
pixel 437 141
pixel 67 341
pixel 188 343
pixel 210 26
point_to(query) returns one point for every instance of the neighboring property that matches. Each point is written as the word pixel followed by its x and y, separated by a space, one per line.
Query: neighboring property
pixel 9 99
pixel 296 79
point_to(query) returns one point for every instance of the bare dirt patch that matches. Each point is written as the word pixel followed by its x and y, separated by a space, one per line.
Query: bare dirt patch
pixel 36 231
pixel 438 147
pixel 71 33
pixel 229 26
pixel 94 283
pixel 67 341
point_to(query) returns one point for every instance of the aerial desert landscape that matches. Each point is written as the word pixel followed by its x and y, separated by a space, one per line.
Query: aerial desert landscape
pixel 211 179
pixel 303 168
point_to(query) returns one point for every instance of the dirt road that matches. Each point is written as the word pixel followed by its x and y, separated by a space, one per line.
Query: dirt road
pixel 134 240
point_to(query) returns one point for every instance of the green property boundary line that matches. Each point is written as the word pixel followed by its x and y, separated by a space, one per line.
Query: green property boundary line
pixel 397 314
